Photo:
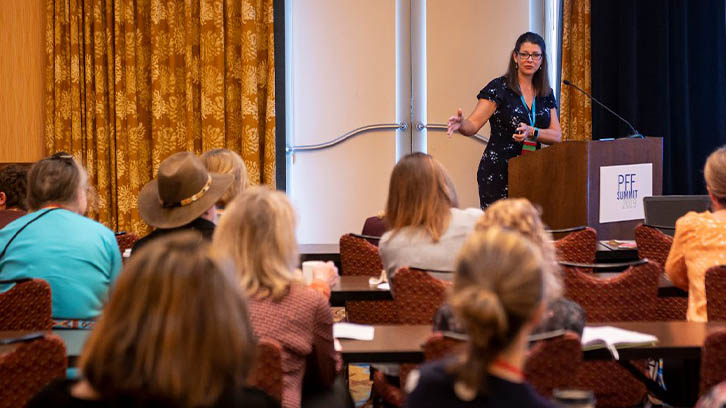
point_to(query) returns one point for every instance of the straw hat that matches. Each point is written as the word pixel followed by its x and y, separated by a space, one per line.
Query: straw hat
pixel 183 191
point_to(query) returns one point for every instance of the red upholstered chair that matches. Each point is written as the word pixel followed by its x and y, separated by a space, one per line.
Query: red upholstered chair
pixel 716 293
pixel 360 257
pixel 126 241
pixel 29 367
pixel 655 246
pixel 418 295
pixel 631 296
pixel 553 363
pixel 713 360
pixel 267 372
pixel 438 346
pixel 578 246
pixel 26 306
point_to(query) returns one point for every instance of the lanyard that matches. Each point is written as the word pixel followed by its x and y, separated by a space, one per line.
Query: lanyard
pixel 530 113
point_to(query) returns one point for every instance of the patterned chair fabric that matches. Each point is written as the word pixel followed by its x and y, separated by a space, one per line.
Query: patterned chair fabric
pixel 579 246
pixel 716 293
pixel 360 257
pixel 553 363
pixel 418 296
pixel 652 244
pixel 655 246
pixel 631 296
pixel 26 306
pixel 29 367
pixel 438 346
pixel 267 372
pixel 713 360
pixel 126 241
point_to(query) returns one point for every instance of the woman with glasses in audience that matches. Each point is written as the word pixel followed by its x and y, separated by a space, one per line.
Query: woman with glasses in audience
pixel 258 232
pixel 498 296
pixel 522 110
pixel 78 257
pixel 175 333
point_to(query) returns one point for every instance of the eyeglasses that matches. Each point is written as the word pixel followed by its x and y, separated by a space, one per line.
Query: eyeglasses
pixel 524 56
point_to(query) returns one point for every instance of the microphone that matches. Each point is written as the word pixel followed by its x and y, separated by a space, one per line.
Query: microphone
pixel 635 135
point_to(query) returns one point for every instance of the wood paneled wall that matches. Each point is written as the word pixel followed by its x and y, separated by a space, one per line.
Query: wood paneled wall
pixel 22 65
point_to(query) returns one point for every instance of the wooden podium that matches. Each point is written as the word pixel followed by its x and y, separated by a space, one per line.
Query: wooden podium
pixel 564 180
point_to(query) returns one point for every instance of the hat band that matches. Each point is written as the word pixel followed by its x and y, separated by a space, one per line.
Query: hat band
pixel 195 197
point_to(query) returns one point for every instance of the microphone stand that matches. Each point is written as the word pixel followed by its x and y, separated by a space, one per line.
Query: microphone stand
pixel 634 135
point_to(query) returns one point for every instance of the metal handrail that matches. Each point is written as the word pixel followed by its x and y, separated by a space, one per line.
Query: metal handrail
pixel 440 126
pixel 347 135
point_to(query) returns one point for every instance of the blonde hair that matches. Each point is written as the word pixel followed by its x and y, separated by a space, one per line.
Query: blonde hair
pixel 225 161
pixel 715 174
pixel 497 288
pixel 258 233
pixel 520 215
pixel 419 195
pixel 152 343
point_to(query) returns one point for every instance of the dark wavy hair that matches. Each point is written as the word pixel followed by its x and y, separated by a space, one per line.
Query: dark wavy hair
pixel 14 183
pixel 540 80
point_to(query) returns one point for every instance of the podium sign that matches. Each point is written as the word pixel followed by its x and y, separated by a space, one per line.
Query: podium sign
pixel 622 189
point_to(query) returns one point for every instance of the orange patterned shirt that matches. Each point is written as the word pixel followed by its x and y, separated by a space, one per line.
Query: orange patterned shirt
pixel 699 243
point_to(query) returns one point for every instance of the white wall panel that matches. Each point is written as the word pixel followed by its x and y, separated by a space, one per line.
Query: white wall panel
pixel 468 43
pixel 341 76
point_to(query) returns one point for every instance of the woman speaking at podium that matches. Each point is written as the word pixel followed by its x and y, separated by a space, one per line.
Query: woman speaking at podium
pixel 522 110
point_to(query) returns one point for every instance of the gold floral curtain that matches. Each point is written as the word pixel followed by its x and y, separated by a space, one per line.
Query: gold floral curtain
pixel 576 109
pixel 129 82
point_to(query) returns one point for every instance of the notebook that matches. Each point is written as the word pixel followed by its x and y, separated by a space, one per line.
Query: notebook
pixel 613 338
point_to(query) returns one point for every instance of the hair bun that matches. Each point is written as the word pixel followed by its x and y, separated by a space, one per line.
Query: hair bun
pixel 483 314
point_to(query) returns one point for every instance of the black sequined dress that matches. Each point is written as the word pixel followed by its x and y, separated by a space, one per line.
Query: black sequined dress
pixel 492 173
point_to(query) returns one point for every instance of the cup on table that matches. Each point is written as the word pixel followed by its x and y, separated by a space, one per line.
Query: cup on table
pixel 310 268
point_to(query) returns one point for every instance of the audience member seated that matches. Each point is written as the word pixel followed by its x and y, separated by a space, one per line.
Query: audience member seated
pixel 700 240
pixel 153 347
pixel 498 294
pixel 520 215
pixel 225 161
pixel 258 232
pixel 78 257
pixel 182 197
pixel 427 229
pixel 13 180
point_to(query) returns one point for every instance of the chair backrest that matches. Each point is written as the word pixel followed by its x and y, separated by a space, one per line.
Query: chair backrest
pixel 630 296
pixel 267 372
pixel 578 246
pixel 713 359
pixel 716 292
pixel 417 295
pixel 29 367
pixel 359 257
pixel 126 241
pixel 652 243
pixel 553 363
pixel 438 346
pixel 26 306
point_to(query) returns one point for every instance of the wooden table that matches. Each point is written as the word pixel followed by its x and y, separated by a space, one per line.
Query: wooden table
pixel 357 288
pixel 74 340
pixel 399 344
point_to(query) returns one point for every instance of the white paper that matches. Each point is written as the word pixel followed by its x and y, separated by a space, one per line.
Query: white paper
pixel 384 286
pixel 615 336
pixel 353 331
pixel 622 189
